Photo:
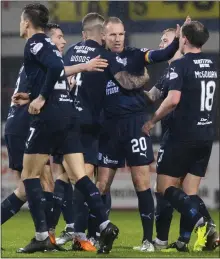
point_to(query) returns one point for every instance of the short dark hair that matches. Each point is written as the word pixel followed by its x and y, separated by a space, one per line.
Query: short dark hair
pixel 91 20
pixel 196 33
pixel 50 27
pixel 37 13
pixel 112 19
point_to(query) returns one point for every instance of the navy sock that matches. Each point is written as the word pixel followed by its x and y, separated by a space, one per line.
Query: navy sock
pixel 93 227
pixel 107 200
pixel 183 204
pixel 146 210
pixel 10 206
pixel 49 208
pixel 81 211
pixel 163 217
pixel 37 203
pixel 93 198
pixel 202 208
pixel 68 208
pixel 58 199
pixel 186 226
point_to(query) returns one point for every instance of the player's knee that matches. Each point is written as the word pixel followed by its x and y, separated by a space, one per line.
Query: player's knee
pixel 63 177
pixel 90 172
pixel 30 173
pixel 20 193
pixel 141 184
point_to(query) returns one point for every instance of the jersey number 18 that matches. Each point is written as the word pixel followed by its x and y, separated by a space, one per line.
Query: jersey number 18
pixel 207 95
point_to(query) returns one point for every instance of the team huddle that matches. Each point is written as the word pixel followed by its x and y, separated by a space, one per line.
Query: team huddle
pixel 86 113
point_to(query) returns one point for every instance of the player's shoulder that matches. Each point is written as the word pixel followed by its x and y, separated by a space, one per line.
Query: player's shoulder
pixel 72 47
pixel 178 62
pixel 130 49
pixel 37 42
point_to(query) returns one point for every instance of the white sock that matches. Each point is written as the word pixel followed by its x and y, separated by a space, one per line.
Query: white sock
pixel 71 225
pixel 41 236
pixel 103 225
pixel 199 222
pixel 160 242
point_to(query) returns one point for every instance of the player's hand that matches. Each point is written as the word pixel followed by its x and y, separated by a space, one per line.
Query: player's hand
pixel 96 64
pixel 36 105
pixel 177 34
pixel 72 81
pixel 147 127
pixel 188 20
pixel 20 98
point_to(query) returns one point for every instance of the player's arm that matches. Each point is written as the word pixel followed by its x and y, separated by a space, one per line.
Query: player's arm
pixel 153 95
pixel 172 99
pixel 161 55
pixel 51 62
pixel 129 81
pixel 95 64
pixel 155 92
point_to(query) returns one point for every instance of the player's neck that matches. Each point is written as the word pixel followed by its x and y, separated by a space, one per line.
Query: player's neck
pixel 99 41
pixel 176 56
pixel 192 50
pixel 32 32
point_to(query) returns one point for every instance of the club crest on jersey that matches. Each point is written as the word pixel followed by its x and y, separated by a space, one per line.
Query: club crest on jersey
pixel 173 74
pixel 111 88
pixel 121 60
pixel 37 47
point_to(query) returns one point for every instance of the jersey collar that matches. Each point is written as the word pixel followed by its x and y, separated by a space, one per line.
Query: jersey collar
pixel 92 43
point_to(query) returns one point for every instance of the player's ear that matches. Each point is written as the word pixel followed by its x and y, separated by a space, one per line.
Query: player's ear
pixel 84 35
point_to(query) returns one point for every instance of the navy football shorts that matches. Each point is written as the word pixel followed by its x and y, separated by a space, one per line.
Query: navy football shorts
pixel 15 146
pixel 89 140
pixel 176 159
pixel 42 140
pixel 123 141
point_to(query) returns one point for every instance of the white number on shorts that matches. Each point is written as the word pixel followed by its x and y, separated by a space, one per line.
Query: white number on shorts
pixel 32 130
pixel 160 155
pixel 207 95
pixel 139 144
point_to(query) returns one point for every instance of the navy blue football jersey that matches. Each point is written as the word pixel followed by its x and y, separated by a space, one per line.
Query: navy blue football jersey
pixel 45 71
pixel 18 117
pixel 89 91
pixel 120 102
pixel 195 76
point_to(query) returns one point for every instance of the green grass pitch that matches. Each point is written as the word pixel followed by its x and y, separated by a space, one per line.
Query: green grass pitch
pixel 18 231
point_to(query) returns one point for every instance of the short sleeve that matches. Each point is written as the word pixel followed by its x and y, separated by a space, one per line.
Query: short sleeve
pixel 44 51
pixel 176 74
